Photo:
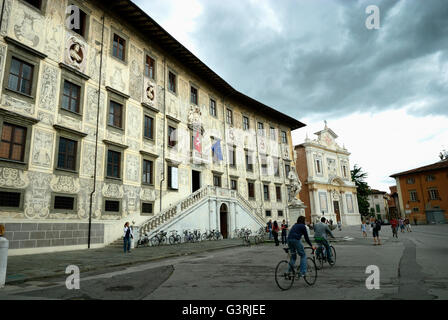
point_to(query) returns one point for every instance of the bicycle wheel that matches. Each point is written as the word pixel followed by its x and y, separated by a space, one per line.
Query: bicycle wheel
pixel 154 241
pixel 178 239
pixel 203 237
pixel 333 252
pixel 319 259
pixel 283 278
pixel 172 240
pixel 163 241
pixel 311 272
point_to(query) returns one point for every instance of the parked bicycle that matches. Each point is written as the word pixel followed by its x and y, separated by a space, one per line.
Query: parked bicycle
pixel 159 239
pixel 174 238
pixel 143 241
pixel 321 256
pixel 285 278
pixel 246 235
pixel 188 236
pixel 197 235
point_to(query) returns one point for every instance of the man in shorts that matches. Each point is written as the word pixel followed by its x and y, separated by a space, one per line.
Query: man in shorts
pixel 376 233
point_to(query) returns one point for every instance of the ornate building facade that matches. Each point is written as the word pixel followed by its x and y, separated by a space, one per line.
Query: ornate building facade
pixel 104 115
pixel 327 188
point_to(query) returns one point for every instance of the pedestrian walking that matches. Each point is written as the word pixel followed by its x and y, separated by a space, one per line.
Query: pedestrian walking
pixel 376 233
pixel 275 230
pixel 128 235
pixel 269 228
pixel 401 224
pixel 284 227
pixel 407 224
pixel 364 229
pixel 394 226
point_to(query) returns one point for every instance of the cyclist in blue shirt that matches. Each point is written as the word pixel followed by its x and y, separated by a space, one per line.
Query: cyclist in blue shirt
pixel 296 246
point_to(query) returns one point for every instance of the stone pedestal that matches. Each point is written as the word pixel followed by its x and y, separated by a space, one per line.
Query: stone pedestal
pixel 296 209
pixel 4 245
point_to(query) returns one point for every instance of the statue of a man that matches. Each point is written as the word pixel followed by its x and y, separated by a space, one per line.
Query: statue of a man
pixel 295 183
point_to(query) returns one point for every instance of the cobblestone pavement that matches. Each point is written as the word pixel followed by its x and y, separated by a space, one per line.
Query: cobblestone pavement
pixel 39 266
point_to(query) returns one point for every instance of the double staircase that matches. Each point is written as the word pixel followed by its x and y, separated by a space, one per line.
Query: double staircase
pixel 154 223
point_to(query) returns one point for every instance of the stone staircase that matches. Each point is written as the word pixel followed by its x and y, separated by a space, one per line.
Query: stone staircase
pixel 154 224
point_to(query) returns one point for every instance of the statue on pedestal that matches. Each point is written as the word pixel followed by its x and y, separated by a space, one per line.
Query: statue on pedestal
pixel 296 186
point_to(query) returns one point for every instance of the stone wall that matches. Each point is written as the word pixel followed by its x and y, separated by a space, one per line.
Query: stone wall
pixel 38 235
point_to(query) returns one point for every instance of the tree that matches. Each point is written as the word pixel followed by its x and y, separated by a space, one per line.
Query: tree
pixel 363 189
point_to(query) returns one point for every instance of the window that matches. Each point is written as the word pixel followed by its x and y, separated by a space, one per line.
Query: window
pixel 376 197
pixel 148 169
pixel 150 67
pixel 147 208
pixel 234 184
pixel 213 107
pixel 318 166
pixel 115 114
pixel 229 116
pixel 12 144
pixel 172 82
pixel 251 190
pixel 10 199
pixel 280 213
pixel 64 203
pixel 433 194
pixel 232 156
pixel 260 129
pixel 430 178
pixel 113 164
pixel 284 139
pixel 194 95
pixel 172 136
pixel 217 181
pixel 264 164
pixel 35 3
pixel 119 48
pixel 173 178
pixel 266 192
pixel 344 171
pixel 377 208
pixel 71 96
pixel 287 169
pixel 249 161
pixel 20 76
pixel 289 194
pixel 67 154
pixel 275 162
pixel 82 24
pixel 415 209
pixel 413 195
pixel 112 206
pixel 410 181
pixel 268 213
pixel 245 123
pixel 272 133
pixel 278 192
pixel 149 127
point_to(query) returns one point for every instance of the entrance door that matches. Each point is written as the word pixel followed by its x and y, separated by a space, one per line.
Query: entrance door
pixel 336 210
pixel 223 221
pixel 196 180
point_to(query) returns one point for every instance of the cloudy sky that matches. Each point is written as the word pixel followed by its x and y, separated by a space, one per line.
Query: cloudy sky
pixel 383 91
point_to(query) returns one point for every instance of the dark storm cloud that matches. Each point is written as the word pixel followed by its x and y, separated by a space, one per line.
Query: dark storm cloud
pixel 317 58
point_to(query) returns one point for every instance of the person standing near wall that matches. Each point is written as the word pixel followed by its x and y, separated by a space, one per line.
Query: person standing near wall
pixel 284 227
pixel 275 230
pixel 128 235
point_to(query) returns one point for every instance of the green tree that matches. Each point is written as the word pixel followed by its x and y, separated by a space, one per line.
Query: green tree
pixel 363 189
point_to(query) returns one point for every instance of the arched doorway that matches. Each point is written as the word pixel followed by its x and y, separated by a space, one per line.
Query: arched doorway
pixel 223 220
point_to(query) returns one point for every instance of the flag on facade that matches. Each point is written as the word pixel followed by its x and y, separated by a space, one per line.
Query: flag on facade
pixel 216 148
pixel 197 143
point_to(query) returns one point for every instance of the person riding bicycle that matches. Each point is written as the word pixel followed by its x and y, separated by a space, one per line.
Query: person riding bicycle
pixel 320 236
pixel 295 245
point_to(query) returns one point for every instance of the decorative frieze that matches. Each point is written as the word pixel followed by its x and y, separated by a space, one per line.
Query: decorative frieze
pixel 13 178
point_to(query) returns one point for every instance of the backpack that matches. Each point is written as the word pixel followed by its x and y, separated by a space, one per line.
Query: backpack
pixel 378 226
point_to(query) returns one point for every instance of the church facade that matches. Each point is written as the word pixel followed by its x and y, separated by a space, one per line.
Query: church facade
pixel 327 188
pixel 105 116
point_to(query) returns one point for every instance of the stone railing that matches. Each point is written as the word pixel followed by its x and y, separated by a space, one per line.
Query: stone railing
pixel 167 214
pixel 248 205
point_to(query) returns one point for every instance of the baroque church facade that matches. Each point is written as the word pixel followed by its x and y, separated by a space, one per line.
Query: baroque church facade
pixel 108 118
pixel 327 187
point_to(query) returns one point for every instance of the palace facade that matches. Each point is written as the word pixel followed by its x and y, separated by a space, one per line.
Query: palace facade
pixel 327 187
pixel 105 116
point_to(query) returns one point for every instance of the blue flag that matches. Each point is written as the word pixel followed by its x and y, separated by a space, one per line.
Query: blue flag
pixel 216 148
